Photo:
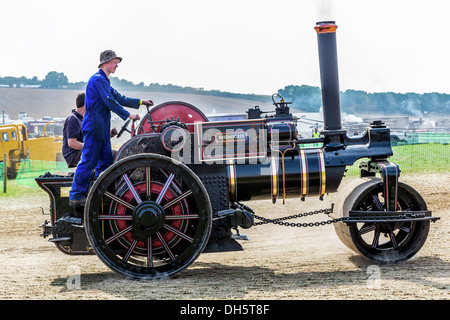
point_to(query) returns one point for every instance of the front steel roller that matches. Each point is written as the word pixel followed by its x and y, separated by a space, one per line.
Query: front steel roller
pixel 381 242
pixel 148 217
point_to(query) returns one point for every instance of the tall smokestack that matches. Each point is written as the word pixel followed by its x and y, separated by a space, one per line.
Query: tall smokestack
pixel 329 76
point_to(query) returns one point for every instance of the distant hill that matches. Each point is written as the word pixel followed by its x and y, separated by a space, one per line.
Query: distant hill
pixel 55 96
pixel 58 103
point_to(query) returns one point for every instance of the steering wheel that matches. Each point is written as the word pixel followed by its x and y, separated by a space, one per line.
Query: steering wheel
pixel 124 128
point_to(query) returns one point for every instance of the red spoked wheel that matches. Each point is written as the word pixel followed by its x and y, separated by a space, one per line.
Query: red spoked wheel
pixel 148 217
pixel 171 238
pixel 157 116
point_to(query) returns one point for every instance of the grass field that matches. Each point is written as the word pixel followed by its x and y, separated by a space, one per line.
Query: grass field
pixel 417 158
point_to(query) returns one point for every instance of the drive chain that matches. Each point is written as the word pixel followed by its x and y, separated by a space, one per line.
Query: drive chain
pixel 280 221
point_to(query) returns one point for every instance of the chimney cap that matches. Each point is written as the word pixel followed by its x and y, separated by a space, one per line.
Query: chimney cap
pixel 325 27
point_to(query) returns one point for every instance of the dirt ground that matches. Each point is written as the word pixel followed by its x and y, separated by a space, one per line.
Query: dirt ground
pixel 278 263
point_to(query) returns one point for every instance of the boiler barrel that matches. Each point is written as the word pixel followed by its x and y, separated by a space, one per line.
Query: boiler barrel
pixel 304 174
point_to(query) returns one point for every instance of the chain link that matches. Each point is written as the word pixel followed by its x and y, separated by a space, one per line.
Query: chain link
pixel 279 221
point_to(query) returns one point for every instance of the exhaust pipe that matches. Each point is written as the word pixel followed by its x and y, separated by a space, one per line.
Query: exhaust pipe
pixel 329 76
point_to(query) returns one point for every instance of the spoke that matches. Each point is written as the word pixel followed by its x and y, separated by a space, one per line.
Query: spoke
pixel 177 232
pixel 177 199
pixel 182 217
pixel 405 229
pixel 366 229
pixel 148 182
pixel 394 242
pixel 165 188
pixel 119 234
pixel 117 199
pixel 376 238
pixel 127 256
pixel 377 203
pixel 175 186
pixel 165 245
pixel 149 252
pixel 132 189
pixel 118 217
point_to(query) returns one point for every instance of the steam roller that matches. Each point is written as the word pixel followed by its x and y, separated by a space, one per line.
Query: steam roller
pixel 178 186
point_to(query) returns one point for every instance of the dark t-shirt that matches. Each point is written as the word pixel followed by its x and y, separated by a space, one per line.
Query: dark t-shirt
pixel 72 130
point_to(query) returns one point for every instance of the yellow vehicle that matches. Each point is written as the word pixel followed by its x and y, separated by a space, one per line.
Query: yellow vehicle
pixel 16 145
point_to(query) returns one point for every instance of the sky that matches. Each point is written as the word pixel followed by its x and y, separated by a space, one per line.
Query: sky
pixel 240 46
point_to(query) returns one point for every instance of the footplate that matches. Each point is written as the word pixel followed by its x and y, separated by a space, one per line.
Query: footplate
pixel 66 227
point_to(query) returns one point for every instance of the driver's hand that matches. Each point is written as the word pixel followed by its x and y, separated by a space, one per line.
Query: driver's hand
pixel 147 102
pixel 113 132
pixel 134 117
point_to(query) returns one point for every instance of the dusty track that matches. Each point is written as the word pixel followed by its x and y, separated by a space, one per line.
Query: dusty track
pixel 277 263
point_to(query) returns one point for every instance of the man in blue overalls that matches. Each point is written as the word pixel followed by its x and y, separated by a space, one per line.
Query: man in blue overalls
pixel 100 100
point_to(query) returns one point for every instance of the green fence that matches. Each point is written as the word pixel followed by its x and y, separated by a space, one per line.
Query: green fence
pixel 427 137
pixel 31 169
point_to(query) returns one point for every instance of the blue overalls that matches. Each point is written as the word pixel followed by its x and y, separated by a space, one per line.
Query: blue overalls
pixel 100 100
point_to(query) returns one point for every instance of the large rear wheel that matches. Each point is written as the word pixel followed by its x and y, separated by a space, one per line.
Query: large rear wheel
pixel 148 217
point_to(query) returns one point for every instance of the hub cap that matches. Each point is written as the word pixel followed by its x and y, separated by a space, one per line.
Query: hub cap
pixel 148 217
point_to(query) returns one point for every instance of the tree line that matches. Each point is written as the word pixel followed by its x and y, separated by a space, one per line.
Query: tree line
pixel 304 98
pixel 308 98
pixel 58 80
pixel 396 103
